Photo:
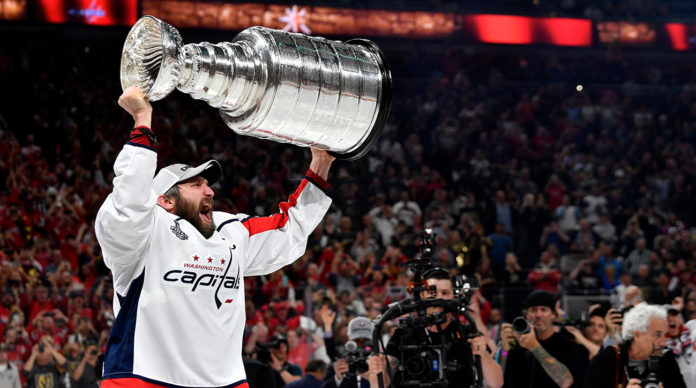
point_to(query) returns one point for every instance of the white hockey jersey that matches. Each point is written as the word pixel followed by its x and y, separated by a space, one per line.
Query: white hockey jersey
pixel 179 297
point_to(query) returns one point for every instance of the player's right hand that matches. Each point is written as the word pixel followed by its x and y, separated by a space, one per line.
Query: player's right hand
pixel 133 101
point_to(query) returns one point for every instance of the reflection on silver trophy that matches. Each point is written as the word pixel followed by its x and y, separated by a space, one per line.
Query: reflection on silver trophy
pixel 271 84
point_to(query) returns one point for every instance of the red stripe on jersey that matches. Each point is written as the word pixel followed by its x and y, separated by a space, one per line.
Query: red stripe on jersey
pixel 137 136
pixel 137 383
pixel 127 383
pixel 319 181
pixel 257 225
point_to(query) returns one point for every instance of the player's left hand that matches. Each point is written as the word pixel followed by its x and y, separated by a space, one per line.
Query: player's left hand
pixel 321 162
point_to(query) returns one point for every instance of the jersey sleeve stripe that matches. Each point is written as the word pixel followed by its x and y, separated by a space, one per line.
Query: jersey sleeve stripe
pixel 317 180
pixel 256 225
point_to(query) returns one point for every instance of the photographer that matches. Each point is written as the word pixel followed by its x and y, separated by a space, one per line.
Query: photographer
pixel 592 335
pixel 278 349
pixel 85 374
pixel 462 349
pixel 633 364
pixel 539 357
pixel 83 332
pixel 44 366
pixel 344 372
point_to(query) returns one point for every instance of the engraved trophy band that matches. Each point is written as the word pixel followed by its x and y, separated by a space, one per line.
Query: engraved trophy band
pixel 271 84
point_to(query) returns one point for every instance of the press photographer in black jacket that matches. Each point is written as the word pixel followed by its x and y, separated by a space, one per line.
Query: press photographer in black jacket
pixel 641 354
pixel 462 349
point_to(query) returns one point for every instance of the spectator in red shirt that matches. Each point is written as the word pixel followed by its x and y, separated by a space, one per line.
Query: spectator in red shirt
pixel 298 349
pixel 280 317
pixel 546 275
pixel 40 300
pixel 45 325
pixel 77 303
pixel 555 190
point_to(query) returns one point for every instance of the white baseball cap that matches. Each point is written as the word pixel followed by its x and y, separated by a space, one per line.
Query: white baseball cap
pixel 360 327
pixel 175 173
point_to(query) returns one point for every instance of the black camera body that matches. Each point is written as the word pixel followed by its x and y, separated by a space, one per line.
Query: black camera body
pixel 356 358
pixel 357 362
pixel 421 365
pixel 652 381
pixel 357 365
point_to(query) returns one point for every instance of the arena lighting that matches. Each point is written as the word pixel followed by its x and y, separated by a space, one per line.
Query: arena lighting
pixel 93 12
pixel 504 29
pixel 509 29
pixel 678 36
pixel 626 33
pixel 13 9
pixel 319 20
pixel 326 21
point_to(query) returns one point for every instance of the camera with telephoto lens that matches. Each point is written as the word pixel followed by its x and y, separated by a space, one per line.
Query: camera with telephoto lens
pixel 652 381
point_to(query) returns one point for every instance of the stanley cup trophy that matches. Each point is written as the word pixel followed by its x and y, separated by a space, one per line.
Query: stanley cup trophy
pixel 270 84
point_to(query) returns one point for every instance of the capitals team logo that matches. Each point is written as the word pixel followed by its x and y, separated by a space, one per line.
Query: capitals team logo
pixel 195 281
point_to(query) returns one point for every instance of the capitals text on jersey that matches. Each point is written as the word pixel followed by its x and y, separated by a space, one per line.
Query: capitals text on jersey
pixel 205 280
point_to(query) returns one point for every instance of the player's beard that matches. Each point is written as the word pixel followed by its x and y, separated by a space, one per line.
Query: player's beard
pixel 196 213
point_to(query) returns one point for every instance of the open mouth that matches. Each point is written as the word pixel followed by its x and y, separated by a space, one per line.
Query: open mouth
pixel 206 213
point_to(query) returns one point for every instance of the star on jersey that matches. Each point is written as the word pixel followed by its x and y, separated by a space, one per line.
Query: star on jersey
pixel 295 20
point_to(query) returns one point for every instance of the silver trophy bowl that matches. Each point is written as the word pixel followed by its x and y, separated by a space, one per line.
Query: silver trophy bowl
pixel 270 84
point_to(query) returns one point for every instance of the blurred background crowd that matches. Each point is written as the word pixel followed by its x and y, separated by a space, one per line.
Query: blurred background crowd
pixel 567 171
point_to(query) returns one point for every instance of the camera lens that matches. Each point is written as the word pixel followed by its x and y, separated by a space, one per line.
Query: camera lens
pixel 415 366
pixel 360 366
pixel 521 326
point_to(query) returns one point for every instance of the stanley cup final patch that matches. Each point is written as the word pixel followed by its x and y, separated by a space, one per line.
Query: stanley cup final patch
pixel 176 229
